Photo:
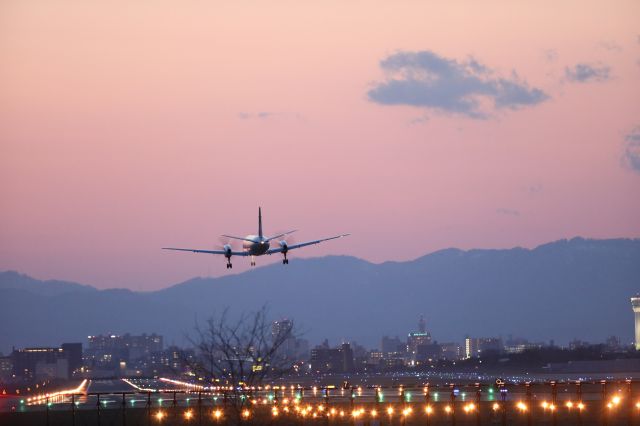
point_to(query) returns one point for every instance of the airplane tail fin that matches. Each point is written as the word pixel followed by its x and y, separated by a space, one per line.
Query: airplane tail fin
pixel 260 222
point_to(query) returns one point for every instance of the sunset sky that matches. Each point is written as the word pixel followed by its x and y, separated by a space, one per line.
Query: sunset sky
pixel 126 126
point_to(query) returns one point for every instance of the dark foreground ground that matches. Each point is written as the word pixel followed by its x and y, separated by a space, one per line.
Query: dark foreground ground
pixel 624 414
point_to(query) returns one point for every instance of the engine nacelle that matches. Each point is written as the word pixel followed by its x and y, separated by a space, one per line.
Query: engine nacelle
pixel 227 250
pixel 284 246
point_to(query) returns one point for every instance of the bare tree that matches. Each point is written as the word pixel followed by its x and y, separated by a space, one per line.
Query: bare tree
pixel 240 355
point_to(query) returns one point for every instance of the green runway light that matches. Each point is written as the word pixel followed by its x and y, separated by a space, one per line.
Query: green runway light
pixel 22 401
pixel 490 390
pixel 408 396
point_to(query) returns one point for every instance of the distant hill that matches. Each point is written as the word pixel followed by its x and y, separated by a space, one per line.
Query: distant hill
pixel 567 289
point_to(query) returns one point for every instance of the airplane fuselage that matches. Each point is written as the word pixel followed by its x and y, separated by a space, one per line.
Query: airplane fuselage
pixel 257 246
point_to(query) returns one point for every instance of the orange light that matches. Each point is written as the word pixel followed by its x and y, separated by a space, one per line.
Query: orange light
pixel 521 406
pixel 159 415
pixel 447 409
pixel 246 414
pixel 217 414
pixel 188 415
pixel 496 406
pixel 390 411
pixel 580 406
pixel 374 413
pixel 569 405
pixel 428 409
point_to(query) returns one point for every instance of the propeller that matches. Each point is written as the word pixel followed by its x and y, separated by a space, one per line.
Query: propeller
pixel 286 240
pixel 225 244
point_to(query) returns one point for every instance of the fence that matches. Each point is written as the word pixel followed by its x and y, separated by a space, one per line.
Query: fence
pixel 606 403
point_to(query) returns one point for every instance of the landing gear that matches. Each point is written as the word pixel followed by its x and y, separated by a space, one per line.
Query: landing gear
pixel 253 261
pixel 229 265
pixel 285 261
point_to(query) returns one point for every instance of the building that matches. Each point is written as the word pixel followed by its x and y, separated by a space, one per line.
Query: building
pixel 421 339
pixel 475 347
pixel 281 328
pixel 6 368
pixel 450 351
pixel 422 324
pixel 73 353
pixel 292 348
pixel 332 360
pixel 46 362
pixel 392 345
pixel 112 349
pixel 415 340
pixel 635 305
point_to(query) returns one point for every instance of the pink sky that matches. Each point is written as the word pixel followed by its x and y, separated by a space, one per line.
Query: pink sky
pixel 122 131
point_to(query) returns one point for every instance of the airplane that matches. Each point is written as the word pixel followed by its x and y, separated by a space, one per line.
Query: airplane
pixel 258 245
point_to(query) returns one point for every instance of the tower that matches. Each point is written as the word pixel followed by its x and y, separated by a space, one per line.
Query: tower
pixel 422 325
pixel 635 304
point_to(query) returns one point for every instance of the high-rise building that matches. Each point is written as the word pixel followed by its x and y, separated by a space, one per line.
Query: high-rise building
pixel 422 324
pixel 417 339
pixel 337 360
pixel 392 345
pixel 107 349
pixel 281 328
pixel 635 305
pixel 43 362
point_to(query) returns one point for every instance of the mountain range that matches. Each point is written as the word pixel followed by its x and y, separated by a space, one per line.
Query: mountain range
pixel 563 290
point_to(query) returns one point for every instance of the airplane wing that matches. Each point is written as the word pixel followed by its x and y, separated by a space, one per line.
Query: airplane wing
pixel 237 238
pixel 233 253
pixel 281 235
pixel 308 243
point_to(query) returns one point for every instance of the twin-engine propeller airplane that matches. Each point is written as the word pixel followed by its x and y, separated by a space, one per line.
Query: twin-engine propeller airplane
pixel 257 245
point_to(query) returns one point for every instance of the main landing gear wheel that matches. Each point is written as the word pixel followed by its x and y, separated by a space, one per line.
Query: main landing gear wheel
pixel 285 261
pixel 229 265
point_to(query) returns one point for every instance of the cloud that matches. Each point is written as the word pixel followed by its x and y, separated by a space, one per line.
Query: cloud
pixel 551 55
pixel 425 79
pixel 419 120
pixel 534 189
pixel 584 73
pixel 261 115
pixel 508 212
pixel 631 155
pixel 611 46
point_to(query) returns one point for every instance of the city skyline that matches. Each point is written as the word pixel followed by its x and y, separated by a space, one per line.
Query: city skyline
pixel 129 127
pixel 449 286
